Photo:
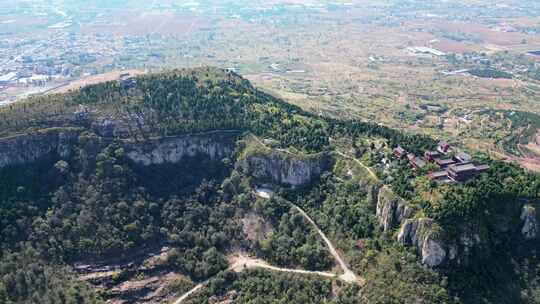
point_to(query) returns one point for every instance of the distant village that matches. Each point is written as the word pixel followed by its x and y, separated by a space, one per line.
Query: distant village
pixel 453 167
pixel 32 66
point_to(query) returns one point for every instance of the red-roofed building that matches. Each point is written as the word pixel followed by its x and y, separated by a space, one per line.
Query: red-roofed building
pixel 438 175
pixel 443 147
pixel 416 162
pixel 444 163
pixel 464 172
pixel 463 158
pixel 431 155
pixel 399 152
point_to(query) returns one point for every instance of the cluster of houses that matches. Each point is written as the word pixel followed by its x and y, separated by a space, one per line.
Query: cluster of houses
pixel 457 167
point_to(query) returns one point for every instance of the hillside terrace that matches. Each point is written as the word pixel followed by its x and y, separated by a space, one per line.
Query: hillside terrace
pixel 457 168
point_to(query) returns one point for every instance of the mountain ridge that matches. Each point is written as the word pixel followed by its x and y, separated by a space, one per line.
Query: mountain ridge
pixel 169 159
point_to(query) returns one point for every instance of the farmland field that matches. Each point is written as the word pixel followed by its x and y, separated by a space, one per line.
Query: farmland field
pixel 327 57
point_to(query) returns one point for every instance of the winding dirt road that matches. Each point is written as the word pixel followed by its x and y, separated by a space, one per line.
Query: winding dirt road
pixel 348 275
pixel 241 262
pixel 189 293
pixel 371 173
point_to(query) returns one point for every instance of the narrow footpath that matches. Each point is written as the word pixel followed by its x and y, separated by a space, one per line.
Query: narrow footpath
pixel 189 293
pixel 348 275
pixel 241 262
pixel 371 172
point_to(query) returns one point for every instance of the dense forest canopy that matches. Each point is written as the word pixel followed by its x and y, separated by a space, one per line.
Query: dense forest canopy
pixel 98 203
pixel 187 101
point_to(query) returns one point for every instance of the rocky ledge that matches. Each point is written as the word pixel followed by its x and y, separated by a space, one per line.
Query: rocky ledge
pixel 434 245
pixel 216 145
pixel 529 222
pixel 27 148
pixel 392 210
pixel 284 168
pixel 59 142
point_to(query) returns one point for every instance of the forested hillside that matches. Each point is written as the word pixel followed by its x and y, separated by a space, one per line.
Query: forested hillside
pixel 101 175
pixel 187 101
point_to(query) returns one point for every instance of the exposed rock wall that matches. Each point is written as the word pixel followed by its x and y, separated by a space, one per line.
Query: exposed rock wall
pixel 434 246
pixel 529 221
pixel 283 168
pixel 392 210
pixel 421 233
pixel 173 149
pixel 27 148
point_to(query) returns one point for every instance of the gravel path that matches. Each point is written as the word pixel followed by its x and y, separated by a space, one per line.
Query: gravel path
pixel 240 262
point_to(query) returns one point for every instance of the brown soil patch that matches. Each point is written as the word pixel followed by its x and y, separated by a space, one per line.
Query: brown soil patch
pixel 152 289
pixel 175 24
pixel 95 79
pixel 139 277
pixel 503 82
pixel 99 275
pixel 450 46
pixel 532 164
pixel 485 33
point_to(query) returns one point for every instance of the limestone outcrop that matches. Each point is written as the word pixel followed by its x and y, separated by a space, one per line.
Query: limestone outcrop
pixel 27 148
pixel 529 221
pixel 60 143
pixel 173 149
pixel 284 168
pixel 422 234
pixel 434 246
pixel 392 210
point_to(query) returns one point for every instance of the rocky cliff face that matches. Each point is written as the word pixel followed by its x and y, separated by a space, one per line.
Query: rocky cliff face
pixel 24 149
pixel 421 234
pixel 171 150
pixel 392 210
pixel 283 168
pixel 434 245
pixel 529 222
pixel 435 248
